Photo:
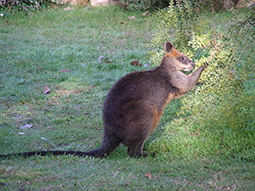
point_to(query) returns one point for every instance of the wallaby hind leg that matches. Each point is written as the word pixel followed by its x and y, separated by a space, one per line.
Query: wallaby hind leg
pixel 136 150
pixel 135 145
pixel 143 154
pixel 140 120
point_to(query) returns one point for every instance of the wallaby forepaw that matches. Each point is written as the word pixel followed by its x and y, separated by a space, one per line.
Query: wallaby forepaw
pixel 204 66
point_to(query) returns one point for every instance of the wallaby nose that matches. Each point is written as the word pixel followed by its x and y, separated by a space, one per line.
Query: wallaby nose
pixel 192 63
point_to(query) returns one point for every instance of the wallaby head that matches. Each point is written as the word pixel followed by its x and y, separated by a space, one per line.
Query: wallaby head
pixel 176 59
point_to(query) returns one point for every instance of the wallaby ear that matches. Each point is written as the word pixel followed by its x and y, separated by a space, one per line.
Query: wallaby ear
pixel 168 47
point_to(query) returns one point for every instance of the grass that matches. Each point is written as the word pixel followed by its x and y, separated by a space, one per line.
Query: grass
pixel 62 50
pixel 118 173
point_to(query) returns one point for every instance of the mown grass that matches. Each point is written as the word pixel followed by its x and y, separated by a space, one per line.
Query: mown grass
pixel 61 49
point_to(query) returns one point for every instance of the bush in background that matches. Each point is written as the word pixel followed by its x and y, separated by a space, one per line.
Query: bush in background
pixel 25 5
pixel 198 4
pixel 218 117
pixel 143 4
pixel 216 4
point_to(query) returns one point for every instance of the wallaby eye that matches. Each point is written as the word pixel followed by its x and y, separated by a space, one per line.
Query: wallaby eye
pixel 181 58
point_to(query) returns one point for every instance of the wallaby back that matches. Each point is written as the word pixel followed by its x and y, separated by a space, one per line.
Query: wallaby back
pixel 135 103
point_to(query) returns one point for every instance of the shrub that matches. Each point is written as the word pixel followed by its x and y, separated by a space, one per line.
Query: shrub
pixel 82 3
pixel 219 114
pixel 143 4
pixel 26 5
pixel 216 4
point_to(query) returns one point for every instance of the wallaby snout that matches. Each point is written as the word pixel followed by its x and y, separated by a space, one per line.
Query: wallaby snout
pixel 190 66
pixel 192 63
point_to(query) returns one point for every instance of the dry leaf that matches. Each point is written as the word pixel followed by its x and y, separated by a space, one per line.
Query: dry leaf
pixel 54 6
pixel 68 9
pixel 87 8
pixel 26 126
pixel 231 71
pixel 46 90
pixel 136 63
pixel 100 58
pixel 149 175
pixel 131 17
pixel 78 91
pixel 146 13
pixel 146 65
pixel 104 59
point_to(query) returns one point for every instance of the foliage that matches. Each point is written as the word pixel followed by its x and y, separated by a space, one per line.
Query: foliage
pixel 176 23
pixel 220 112
pixel 143 4
pixel 25 5
pixel 197 4
pixel 216 4
pixel 82 3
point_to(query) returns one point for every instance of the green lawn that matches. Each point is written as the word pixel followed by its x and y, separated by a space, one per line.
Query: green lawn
pixel 79 54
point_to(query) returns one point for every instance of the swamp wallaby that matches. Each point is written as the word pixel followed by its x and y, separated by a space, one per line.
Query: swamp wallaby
pixel 135 104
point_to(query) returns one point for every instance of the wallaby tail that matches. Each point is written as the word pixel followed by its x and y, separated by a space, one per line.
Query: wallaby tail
pixel 107 146
pixel 44 153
